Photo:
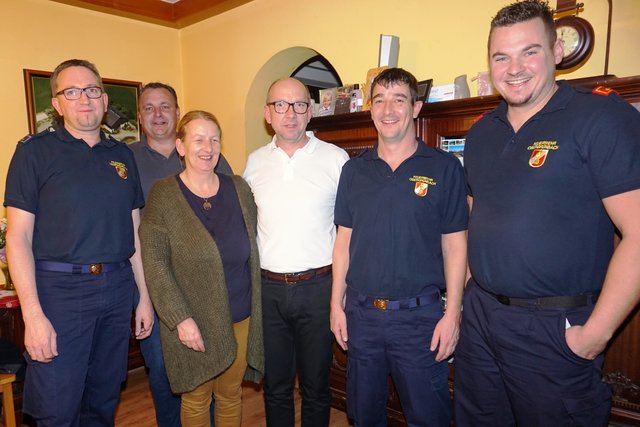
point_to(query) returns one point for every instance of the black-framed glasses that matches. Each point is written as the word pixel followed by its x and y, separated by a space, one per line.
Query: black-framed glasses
pixel 73 93
pixel 282 107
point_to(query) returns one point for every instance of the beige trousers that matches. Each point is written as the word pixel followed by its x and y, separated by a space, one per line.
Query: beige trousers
pixel 226 388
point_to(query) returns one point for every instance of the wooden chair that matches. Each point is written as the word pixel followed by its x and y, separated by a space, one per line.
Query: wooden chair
pixel 6 388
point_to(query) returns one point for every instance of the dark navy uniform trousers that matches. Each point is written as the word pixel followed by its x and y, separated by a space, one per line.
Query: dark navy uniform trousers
pixel 91 315
pixel 394 342
pixel 513 367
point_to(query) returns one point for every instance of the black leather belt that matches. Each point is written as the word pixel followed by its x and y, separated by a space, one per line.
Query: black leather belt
pixel 95 269
pixel 565 302
pixel 293 278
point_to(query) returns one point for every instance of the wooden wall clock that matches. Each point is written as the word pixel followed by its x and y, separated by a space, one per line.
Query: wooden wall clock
pixel 577 35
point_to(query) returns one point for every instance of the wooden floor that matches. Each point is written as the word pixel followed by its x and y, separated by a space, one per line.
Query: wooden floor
pixel 136 406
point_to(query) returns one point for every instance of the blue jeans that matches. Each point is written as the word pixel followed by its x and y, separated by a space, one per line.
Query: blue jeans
pixel 92 319
pixel 167 403
pixel 297 336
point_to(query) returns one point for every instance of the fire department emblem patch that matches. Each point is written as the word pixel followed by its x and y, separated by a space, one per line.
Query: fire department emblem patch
pixel 538 158
pixel 421 184
pixel 120 168
pixel 421 189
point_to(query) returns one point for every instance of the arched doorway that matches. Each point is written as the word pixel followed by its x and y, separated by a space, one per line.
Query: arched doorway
pixel 282 64
pixel 317 73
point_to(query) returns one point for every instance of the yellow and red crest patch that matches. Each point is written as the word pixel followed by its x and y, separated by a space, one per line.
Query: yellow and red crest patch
pixel 120 168
pixel 538 157
pixel 421 189
pixel 540 151
pixel 421 184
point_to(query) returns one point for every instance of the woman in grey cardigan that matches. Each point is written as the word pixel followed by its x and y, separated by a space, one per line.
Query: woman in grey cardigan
pixel 201 264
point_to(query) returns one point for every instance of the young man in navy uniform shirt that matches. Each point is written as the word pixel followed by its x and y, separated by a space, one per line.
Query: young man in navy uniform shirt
pixel 73 198
pixel 402 217
pixel 552 173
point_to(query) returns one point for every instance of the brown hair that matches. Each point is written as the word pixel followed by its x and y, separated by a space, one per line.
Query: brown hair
pixel 158 85
pixel 394 76
pixel 194 115
pixel 522 11
pixel 53 81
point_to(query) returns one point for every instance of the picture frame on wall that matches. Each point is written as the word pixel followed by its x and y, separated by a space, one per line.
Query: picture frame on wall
pixel 120 120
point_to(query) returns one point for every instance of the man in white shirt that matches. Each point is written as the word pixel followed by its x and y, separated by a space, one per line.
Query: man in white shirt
pixel 294 180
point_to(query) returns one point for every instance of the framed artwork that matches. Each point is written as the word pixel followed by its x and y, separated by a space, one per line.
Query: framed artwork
pixel 424 87
pixel 327 101
pixel 120 120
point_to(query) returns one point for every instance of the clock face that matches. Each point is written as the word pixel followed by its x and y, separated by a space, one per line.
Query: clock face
pixel 570 37
pixel 578 40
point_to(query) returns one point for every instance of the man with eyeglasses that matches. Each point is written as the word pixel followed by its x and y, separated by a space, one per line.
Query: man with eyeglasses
pixel 294 180
pixel 73 197
pixel 157 158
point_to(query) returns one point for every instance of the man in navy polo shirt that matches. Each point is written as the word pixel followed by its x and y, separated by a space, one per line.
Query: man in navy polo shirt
pixel 157 158
pixel 402 217
pixel 155 153
pixel 73 198
pixel 552 173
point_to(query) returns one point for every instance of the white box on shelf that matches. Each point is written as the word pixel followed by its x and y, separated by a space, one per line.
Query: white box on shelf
pixel 442 93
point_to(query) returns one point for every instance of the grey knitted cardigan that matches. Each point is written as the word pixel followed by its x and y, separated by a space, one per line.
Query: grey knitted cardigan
pixel 184 274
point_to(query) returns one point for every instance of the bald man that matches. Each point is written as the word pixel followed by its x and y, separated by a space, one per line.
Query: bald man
pixel 294 180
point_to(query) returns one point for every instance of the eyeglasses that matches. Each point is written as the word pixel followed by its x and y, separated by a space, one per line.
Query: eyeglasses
pixel 282 107
pixel 73 93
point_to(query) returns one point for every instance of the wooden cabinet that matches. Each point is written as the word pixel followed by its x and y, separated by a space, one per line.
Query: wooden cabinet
pixel 452 119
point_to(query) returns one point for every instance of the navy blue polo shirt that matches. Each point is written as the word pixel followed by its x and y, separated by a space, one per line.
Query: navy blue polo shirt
pixel 538 226
pixel 152 165
pixel 398 218
pixel 81 196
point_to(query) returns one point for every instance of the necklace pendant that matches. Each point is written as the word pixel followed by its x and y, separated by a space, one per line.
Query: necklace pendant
pixel 206 205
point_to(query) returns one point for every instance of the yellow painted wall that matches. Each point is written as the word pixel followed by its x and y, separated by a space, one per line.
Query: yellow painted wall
pixel 224 56
pixel 39 34
pixel 224 64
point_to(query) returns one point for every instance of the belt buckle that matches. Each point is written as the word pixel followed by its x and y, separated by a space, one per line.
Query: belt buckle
pixel 95 269
pixel 380 304
pixel 286 278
